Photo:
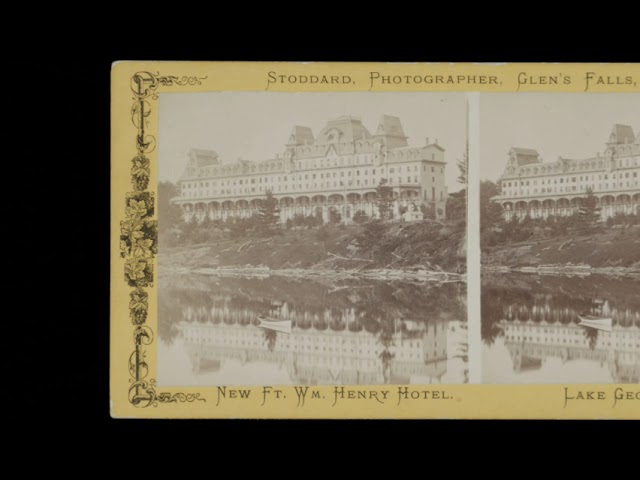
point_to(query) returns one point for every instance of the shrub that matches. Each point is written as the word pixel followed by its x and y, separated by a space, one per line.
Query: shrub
pixel 360 217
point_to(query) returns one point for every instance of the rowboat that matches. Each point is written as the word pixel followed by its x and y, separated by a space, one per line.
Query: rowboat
pixel 599 323
pixel 283 326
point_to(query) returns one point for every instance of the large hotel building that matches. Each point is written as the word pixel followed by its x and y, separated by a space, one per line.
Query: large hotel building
pixel 338 170
pixel 540 189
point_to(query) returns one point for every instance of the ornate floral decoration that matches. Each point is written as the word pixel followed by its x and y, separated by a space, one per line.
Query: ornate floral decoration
pixel 139 240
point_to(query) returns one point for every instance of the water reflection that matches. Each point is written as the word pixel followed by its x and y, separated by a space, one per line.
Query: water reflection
pixel 351 332
pixel 531 331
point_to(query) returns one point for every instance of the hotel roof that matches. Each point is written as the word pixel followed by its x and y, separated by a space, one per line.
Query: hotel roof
pixel 621 134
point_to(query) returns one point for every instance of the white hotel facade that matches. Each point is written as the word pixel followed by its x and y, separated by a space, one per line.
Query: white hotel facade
pixel 540 189
pixel 337 170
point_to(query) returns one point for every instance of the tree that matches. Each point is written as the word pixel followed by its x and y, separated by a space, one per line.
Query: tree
pixel 463 167
pixel 334 216
pixel 457 205
pixel 428 211
pixel 589 211
pixel 360 217
pixel 384 199
pixel 490 211
pixel 269 214
pixel 169 214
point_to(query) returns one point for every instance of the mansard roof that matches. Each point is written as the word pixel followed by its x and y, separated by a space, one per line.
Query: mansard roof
pixel 203 157
pixel 524 151
pixel 390 126
pixel 344 129
pixel 621 134
pixel 301 136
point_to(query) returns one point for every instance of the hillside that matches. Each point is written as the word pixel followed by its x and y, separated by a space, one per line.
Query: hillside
pixel 432 245
pixel 615 247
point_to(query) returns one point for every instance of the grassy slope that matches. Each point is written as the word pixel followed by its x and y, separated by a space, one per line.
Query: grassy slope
pixel 611 248
pixel 428 244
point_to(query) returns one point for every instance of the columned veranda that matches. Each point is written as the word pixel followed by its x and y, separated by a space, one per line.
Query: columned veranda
pixel 608 203
pixel 291 205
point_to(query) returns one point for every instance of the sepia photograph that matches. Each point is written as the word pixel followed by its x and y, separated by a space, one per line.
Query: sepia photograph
pixel 312 239
pixel 560 238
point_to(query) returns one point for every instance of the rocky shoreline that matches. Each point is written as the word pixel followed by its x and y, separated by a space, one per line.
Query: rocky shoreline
pixel 414 275
pixel 568 269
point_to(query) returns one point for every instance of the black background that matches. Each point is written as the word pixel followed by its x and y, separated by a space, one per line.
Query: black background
pixel 58 203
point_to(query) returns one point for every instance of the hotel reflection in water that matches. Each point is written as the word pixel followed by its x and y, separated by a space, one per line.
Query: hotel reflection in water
pixel 533 334
pixel 333 347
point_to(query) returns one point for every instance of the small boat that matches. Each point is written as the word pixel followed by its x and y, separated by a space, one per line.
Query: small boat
pixel 597 317
pixel 597 322
pixel 283 326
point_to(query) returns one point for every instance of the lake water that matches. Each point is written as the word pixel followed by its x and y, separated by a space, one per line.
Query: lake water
pixel 345 332
pixel 531 331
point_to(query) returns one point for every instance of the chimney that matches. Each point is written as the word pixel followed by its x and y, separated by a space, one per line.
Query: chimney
pixel 427 141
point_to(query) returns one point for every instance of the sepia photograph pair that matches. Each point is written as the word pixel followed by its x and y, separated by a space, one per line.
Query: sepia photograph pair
pixel 322 238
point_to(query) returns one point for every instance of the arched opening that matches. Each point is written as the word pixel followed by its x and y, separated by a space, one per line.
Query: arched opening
pixel 303 200
pixel 336 198
pixel 607 200
pixel 256 202
pixel 370 196
pixel 353 197
pixel 624 199
pixel 227 205
pixel 286 201
pixel 534 209
pixel 319 199
pixel 242 204
pixel 409 194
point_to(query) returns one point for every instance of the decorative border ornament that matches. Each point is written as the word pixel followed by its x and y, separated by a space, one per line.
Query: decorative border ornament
pixel 139 240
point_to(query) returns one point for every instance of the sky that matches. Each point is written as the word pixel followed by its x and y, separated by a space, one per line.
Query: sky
pixel 571 125
pixel 257 125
